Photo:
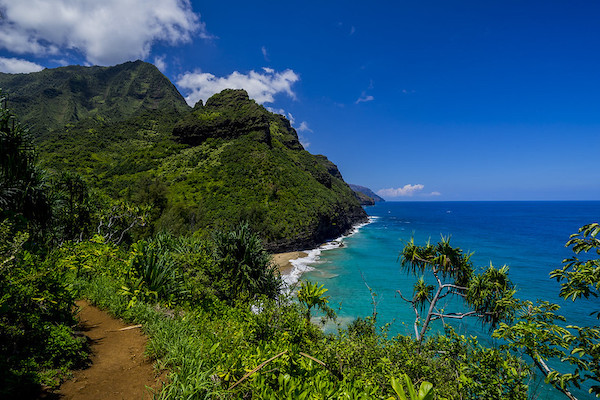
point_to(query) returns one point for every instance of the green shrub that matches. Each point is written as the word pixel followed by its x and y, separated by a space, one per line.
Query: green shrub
pixel 37 343
pixel 243 268
pixel 153 271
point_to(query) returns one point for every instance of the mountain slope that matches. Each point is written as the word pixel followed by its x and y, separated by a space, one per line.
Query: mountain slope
pixel 365 194
pixel 212 166
pixel 251 158
pixel 54 98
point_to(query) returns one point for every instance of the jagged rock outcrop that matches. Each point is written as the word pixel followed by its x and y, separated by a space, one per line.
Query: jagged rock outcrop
pixel 228 115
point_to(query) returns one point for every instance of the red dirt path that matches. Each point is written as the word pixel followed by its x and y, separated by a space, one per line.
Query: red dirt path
pixel 119 369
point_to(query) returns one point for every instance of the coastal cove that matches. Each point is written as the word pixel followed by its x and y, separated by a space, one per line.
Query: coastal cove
pixel 529 237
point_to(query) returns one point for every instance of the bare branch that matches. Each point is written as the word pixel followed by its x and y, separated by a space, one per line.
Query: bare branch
pixel 417 316
pixel 374 302
pixel 456 315
pixel 539 362
pixel 404 298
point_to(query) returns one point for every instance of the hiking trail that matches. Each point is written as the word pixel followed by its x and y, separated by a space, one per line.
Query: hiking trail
pixel 119 368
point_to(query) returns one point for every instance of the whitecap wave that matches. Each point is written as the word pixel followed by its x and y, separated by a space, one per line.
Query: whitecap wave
pixel 313 257
pixel 300 266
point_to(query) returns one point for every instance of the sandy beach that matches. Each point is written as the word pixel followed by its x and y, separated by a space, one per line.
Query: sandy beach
pixel 282 260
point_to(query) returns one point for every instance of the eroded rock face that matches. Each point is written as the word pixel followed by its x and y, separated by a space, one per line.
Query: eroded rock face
pixel 227 115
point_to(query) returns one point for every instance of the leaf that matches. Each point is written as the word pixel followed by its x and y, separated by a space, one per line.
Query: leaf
pixel 426 391
pixel 409 387
pixel 398 389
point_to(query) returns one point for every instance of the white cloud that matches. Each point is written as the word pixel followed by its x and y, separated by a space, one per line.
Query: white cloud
pixel 106 32
pixel 276 110
pixel 265 53
pixel 364 98
pixel 405 191
pixel 281 111
pixel 290 117
pixel 60 61
pixel 261 87
pixel 160 63
pixel 435 194
pixel 17 66
pixel 304 127
pixel 304 142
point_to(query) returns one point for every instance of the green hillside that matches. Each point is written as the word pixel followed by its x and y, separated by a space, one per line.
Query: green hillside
pixel 54 98
pixel 129 133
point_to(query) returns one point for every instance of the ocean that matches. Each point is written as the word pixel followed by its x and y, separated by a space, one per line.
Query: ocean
pixel 529 237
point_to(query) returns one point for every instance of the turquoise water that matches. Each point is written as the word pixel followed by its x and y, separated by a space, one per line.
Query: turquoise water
pixel 529 237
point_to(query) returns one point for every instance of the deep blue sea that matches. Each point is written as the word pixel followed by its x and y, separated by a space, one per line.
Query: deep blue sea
pixel 529 237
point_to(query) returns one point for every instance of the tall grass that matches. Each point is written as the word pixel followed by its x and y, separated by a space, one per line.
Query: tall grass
pixel 173 343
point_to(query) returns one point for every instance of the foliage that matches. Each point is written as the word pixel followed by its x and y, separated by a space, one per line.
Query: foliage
pixel 23 188
pixel 425 390
pixel 116 222
pixel 581 277
pixel 489 294
pixel 311 295
pixel 37 343
pixel 542 334
pixel 153 274
pixel 75 208
pixel 243 268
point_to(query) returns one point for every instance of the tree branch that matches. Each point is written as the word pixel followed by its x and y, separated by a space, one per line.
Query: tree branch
pixel 417 316
pixel 546 371
pixel 456 315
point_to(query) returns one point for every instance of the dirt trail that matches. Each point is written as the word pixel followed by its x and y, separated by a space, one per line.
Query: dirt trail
pixel 119 369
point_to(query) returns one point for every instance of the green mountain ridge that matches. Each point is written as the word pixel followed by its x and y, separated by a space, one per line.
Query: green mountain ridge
pixel 53 98
pixel 129 133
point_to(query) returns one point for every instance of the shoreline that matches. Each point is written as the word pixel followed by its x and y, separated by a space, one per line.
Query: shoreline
pixel 293 264
pixel 283 261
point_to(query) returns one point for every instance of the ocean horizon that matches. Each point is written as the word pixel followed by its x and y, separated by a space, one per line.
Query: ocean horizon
pixel 527 236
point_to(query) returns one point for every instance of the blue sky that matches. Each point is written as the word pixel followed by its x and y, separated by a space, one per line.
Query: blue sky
pixel 427 100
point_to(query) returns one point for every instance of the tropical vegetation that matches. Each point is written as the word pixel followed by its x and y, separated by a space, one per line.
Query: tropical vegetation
pixel 131 136
pixel 93 224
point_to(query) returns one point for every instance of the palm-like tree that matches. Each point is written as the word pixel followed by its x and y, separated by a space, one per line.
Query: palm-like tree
pixel 489 294
pixel 312 295
pixel 23 188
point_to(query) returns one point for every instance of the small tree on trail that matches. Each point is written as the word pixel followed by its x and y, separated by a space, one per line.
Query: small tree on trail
pixel 489 295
